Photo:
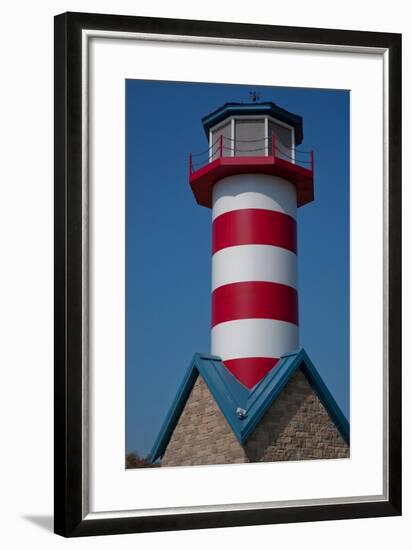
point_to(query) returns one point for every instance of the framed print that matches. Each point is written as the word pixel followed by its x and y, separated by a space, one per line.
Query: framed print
pixel 227 274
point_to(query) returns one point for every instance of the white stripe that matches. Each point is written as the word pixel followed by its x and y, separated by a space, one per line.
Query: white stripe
pixel 254 338
pixel 253 191
pixel 254 262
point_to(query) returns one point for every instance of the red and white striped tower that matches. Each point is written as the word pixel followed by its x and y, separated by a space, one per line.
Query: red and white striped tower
pixel 253 179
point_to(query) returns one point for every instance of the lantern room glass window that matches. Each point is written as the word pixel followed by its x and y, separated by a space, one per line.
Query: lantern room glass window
pixel 224 130
pixel 252 137
pixel 283 141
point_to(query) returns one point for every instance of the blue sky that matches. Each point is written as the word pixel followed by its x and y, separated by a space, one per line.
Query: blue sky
pixel 168 241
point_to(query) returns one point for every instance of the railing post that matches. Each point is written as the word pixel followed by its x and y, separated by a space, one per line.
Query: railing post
pixel 190 164
pixel 273 144
pixel 311 161
pixel 221 146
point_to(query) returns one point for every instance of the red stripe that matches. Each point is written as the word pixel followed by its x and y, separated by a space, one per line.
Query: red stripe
pixel 254 226
pixel 254 300
pixel 250 370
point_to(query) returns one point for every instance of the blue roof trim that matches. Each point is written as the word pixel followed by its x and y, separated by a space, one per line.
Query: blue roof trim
pixel 315 380
pixel 229 394
pixel 174 413
pixel 267 390
pixel 266 108
pixel 270 387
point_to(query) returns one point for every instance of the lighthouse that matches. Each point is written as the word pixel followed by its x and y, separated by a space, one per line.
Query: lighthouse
pixel 257 397
pixel 254 179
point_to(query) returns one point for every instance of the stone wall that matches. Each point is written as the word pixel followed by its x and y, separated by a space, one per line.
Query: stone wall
pixel 295 427
pixel 202 434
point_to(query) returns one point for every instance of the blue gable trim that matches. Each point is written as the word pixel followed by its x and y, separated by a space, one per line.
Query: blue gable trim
pixel 271 386
pixel 326 398
pixel 230 395
pixel 173 414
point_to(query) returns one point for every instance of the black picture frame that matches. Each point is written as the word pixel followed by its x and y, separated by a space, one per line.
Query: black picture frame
pixel 69 490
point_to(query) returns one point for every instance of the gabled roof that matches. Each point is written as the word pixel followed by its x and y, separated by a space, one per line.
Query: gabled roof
pixel 267 108
pixel 230 395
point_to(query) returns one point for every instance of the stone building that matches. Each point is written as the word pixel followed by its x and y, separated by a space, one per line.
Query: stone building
pixel 289 415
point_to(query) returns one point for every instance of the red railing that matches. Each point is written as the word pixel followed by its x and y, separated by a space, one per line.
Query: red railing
pixel 271 146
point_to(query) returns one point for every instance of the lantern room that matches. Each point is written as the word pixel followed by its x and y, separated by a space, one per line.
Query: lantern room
pixel 252 138
pixel 248 130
